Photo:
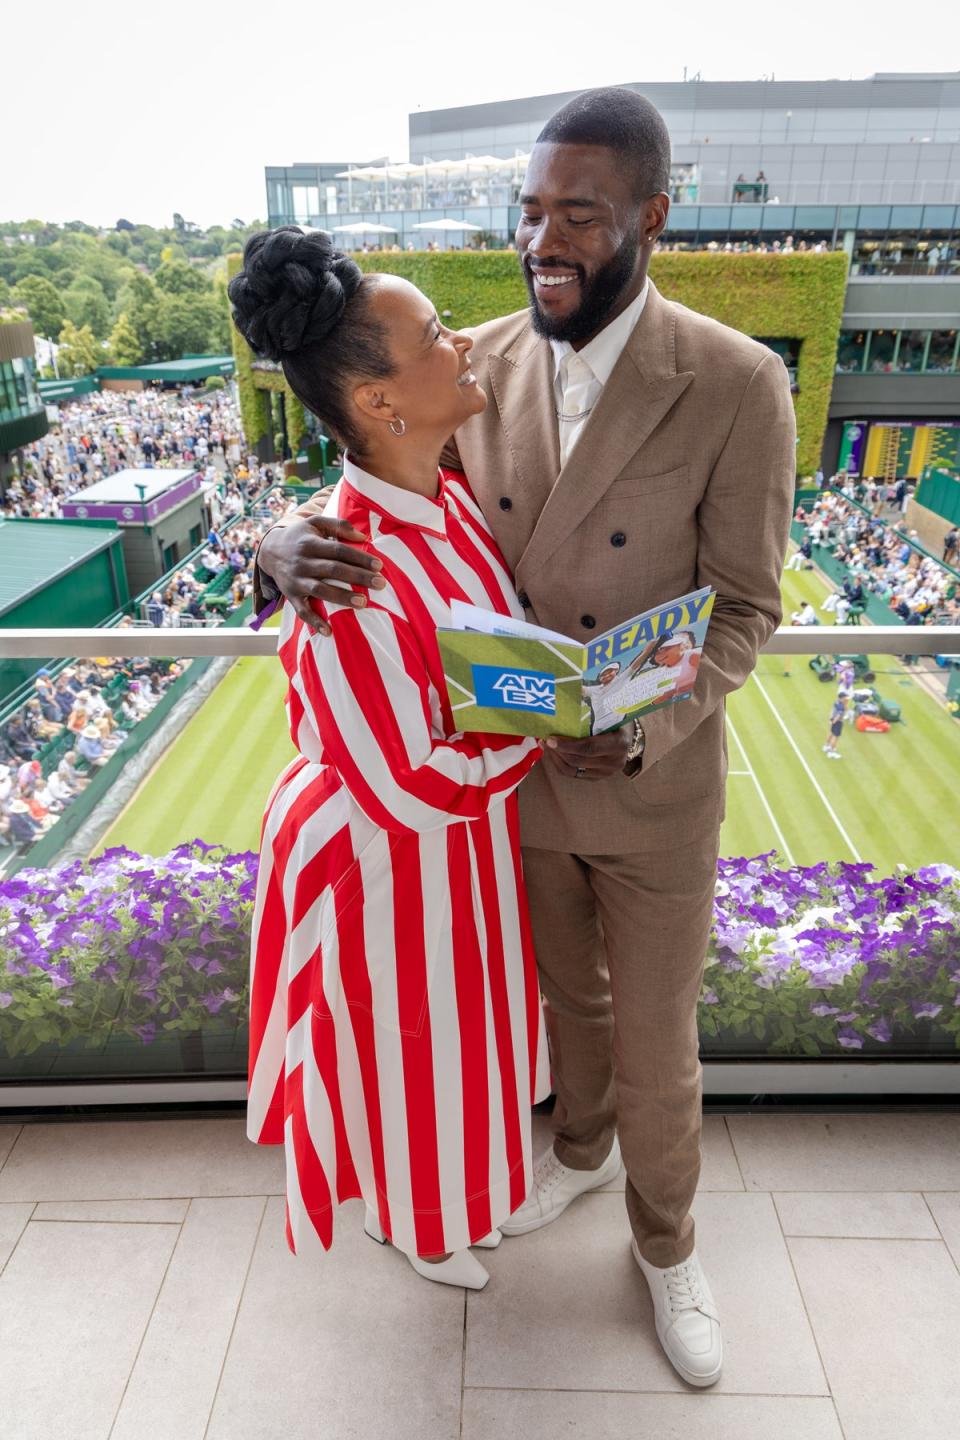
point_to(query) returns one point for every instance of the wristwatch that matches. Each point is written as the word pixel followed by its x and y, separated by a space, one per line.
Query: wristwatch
pixel 637 744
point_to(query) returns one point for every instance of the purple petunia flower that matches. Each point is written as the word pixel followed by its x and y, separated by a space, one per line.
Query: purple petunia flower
pixel 925 1010
pixel 850 1040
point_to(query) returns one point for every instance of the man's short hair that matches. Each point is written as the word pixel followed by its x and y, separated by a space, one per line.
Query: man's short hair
pixel 623 121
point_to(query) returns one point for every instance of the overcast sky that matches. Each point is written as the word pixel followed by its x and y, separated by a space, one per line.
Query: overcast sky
pixel 116 109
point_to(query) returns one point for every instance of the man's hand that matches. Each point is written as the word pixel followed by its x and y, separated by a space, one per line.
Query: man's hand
pixel 304 556
pixel 592 759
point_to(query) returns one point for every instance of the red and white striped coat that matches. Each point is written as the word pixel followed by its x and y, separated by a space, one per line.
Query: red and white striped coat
pixel 396 1031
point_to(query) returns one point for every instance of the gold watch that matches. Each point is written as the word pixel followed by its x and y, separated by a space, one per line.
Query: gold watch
pixel 638 742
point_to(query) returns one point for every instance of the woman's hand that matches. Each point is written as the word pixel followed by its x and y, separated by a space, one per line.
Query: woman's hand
pixel 305 556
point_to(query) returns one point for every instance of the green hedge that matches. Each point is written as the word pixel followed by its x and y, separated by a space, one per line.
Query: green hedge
pixel 798 297
pixel 254 404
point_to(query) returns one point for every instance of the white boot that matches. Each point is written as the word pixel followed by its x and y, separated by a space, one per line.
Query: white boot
pixel 686 1317
pixel 554 1186
pixel 461 1268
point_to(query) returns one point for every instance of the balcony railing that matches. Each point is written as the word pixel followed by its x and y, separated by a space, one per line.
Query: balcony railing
pixel 123 971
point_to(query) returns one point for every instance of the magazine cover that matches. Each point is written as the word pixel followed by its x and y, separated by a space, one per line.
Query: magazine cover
pixel 505 676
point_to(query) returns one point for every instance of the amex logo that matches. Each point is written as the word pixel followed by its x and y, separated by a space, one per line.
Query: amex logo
pixel 500 689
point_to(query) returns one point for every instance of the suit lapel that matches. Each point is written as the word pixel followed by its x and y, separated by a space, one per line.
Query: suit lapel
pixel 522 385
pixel 642 389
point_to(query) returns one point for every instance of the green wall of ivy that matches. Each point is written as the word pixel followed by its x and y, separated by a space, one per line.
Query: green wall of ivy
pixel 797 297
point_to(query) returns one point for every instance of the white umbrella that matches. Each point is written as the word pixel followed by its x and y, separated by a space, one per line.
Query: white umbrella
pixel 362 228
pixel 447 227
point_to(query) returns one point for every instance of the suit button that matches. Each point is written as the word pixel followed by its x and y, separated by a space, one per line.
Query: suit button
pixel 505 503
pixel 524 599
pixel 588 622
pixel 618 539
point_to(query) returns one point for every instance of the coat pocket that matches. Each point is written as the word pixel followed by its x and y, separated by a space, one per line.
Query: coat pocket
pixel 638 486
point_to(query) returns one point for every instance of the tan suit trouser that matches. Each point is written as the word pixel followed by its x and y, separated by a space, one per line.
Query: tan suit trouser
pixel 621 942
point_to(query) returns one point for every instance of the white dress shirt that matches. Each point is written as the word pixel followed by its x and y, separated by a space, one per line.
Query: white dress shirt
pixel 579 376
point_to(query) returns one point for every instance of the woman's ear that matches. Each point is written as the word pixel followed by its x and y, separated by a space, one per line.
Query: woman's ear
pixel 372 402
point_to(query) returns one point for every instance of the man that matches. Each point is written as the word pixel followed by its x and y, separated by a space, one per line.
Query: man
pixel 632 451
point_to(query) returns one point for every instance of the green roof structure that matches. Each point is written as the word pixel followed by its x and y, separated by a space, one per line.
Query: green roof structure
pixel 34 553
pixel 188 370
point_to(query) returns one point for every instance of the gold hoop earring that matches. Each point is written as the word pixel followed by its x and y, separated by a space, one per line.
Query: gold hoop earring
pixel 402 424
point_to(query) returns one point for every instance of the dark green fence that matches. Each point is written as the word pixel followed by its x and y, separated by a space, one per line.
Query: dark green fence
pixel 940 492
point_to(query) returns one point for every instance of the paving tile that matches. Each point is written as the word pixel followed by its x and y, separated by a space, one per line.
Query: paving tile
pixel 190 1327
pixel 547 1414
pixel 13 1218
pixel 74 1303
pixel 8 1134
pixel 886 1315
pixel 847 1152
pixel 869 1214
pixel 567 1307
pixel 149 1159
pixel 351 1343
pixel 719 1170
pixel 133 1212
pixel 946 1213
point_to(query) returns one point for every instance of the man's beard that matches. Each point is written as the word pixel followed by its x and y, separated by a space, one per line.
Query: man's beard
pixel 600 297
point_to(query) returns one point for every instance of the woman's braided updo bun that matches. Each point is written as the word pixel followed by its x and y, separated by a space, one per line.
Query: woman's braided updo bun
pixel 290 303
pixel 292 291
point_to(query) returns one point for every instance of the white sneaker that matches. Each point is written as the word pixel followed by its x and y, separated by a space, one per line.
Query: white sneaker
pixel 554 1186
pixel 685 1314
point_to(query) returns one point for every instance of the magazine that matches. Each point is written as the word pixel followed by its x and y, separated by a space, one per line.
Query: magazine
pixel 505 676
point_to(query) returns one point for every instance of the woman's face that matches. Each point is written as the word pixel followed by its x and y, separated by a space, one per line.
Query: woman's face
pixel 673 652
pixel 433 389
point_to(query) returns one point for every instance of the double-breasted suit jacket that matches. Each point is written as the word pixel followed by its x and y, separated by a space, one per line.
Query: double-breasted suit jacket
pixel 682 476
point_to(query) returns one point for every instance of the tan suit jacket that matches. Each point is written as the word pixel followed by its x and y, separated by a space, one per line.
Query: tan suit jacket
pixel 682 476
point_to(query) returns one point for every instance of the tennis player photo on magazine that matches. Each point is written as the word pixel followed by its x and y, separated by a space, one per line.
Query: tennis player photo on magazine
pixel 506 676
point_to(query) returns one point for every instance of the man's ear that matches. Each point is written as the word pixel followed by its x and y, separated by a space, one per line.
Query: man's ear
pixel 653 217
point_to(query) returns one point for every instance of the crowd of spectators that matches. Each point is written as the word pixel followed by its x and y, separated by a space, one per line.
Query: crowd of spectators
pixel 70 726
pixel 221 578
pixel 99 434
pixel 880 558
pixel 789 245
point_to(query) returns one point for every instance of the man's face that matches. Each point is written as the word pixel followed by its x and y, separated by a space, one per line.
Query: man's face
pixel 583 238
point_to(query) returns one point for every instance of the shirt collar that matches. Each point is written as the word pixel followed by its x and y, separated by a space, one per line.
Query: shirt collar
pixel 405 507
pixel 605 349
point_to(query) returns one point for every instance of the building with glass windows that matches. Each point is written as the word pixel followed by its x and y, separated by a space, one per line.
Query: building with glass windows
pixel 23 416
pixel 870 167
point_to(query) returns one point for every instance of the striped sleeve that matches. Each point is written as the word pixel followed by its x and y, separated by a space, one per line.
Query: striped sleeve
pixel 366 691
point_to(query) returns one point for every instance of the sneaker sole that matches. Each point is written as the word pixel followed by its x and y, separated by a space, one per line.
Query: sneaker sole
pixel 526 1226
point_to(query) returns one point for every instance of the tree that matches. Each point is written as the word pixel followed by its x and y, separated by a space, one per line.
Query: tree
pixel 79 353
pixel 139 300
pixel 44 304
pixel 124 345
pixel 87 305
pixel 176 277
pixel 185 324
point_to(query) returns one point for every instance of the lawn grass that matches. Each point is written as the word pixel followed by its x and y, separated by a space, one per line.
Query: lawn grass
pixel 886 801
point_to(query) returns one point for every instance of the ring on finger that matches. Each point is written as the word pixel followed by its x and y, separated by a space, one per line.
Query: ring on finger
pixel 579 773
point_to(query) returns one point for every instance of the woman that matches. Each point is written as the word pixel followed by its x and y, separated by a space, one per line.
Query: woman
pixel 395 1017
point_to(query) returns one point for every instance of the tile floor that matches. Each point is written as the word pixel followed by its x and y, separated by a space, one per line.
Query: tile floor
pixel 146 1293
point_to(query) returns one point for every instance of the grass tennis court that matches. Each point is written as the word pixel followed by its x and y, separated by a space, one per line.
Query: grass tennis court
pixel 889 800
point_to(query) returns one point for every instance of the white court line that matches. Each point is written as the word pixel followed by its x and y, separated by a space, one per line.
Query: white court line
pixel 810 775
pixel 760 791
pixel 732 774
